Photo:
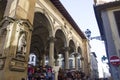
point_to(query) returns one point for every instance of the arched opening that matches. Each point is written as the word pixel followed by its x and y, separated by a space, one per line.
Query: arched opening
pixel 79 58
pixel 39 41
pixel 59 48
pixel 71 53
pixel 39 47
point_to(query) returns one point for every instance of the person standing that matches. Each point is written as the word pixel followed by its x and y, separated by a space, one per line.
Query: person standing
pixel 30 72
pixel 49 74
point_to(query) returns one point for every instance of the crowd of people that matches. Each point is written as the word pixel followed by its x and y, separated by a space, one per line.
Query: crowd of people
pixel 46 73
pixel 40 73
pixel 71 75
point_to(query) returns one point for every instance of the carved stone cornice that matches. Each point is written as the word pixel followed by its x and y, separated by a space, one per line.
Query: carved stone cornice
pixel 19 21
pixel 6 18
pixel 25 22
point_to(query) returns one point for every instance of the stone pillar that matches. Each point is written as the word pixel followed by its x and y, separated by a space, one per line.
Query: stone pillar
pixel 82 63
pixel 76 61
pixel 66 57
pixel 51 51
pixel 43 59
pixel 85 56
pixel 56 59
pixel 56 70
pixel 15 48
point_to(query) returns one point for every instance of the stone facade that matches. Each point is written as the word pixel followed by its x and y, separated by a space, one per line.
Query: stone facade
pixel 39 27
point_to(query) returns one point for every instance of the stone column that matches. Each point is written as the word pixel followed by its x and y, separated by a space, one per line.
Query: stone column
pixel 66 57
pixel 82 63
pixel 56 59
pixel 43 59
pixel 76 61
pixel 51 51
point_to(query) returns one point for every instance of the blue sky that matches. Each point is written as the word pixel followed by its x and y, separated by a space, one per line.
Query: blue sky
pixel 83 14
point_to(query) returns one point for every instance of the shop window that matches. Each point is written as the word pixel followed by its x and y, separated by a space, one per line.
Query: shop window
pixel 117 19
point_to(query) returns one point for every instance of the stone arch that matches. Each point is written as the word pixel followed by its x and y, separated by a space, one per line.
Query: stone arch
pixel 72 46
pixel 59 35
pixel 72 50
pixel 42 30
pixel 71 38
pixel 79 50
pixel 63 30
pixel 42 11
pixel 63 33
pixel 60 43
pixel 80 58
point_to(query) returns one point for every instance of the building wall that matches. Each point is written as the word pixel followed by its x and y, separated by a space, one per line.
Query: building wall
pixel 111 31
pixel 111 47
pixel 114 29
pixel 106 18
pixel 94 73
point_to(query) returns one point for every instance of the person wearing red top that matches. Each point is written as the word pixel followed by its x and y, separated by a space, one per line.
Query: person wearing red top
pixel 30 72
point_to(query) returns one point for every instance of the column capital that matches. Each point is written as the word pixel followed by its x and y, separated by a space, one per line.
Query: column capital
pixel 51 52
pixel 66 49
pixel 6 18
pixel 76 54
pixel 52 39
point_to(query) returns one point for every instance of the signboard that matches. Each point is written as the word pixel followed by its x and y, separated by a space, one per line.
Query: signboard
pixel 115 60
